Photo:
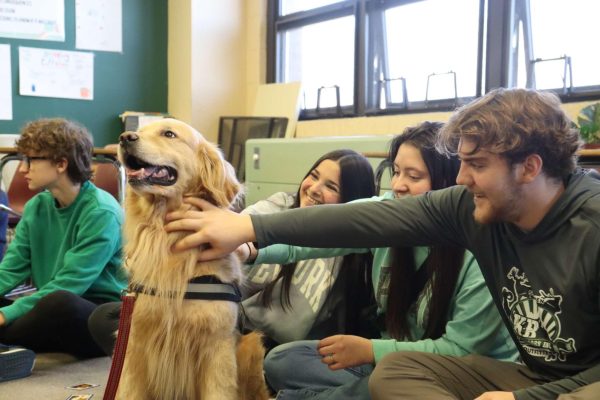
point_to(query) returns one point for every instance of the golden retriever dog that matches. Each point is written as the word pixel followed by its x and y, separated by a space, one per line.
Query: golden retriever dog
pixel 180 348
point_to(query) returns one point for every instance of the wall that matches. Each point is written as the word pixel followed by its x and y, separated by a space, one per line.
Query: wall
pixel 135 79
pixel 207 62
pixel 256 49
pixel 385 125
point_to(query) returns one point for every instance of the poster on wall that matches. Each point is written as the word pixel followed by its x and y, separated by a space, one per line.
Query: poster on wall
pixel 33 19
pixel 99 25
pixel 5 83
pixel 56 73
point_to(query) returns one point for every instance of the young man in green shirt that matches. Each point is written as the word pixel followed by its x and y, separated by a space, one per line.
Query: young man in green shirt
pixel 68 243
pixel 530 217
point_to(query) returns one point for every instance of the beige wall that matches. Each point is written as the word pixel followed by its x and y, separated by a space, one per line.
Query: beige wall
pixel 179 64
pixel 217 59
pixel 256 49
pixel 386 125
pixel 207 61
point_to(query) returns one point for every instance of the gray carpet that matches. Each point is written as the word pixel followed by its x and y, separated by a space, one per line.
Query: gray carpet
pixel 52 373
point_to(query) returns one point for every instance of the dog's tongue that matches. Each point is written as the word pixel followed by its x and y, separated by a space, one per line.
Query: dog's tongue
pixel 140 173
pixel 143 173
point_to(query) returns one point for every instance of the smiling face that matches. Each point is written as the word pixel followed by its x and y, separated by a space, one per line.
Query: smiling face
pixel 160 156
pixel 496 194
pixel 322 185
pixel 410 174
pixel 170 158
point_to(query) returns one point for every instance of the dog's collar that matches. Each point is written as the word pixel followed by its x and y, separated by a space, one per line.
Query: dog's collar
pixel 207 287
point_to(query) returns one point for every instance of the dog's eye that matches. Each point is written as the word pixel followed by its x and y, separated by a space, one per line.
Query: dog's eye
pixel 169 134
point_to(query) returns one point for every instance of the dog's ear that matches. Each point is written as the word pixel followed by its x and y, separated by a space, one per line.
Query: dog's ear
pixel 217 181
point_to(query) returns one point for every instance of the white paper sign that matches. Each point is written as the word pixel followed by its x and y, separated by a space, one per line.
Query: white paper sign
pixel 99 25
pixel 33 19
pixel 5 83
pixel 56 73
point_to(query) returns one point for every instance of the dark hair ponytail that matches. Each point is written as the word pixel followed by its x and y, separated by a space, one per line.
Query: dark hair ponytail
pixel 443 264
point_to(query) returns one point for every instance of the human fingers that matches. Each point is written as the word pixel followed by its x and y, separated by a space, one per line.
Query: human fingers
pixel 329 344
pixel 180 214
pixel 190 241
pixel 328 341
pixel 200 203
pixel 332 362
pixel 328 359
pixel 211 253
pixel 325 350
pixel 336 366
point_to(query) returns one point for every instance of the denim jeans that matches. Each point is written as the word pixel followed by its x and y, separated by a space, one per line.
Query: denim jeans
pixel 295 371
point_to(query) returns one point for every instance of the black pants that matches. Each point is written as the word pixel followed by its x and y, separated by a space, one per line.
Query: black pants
pixel 57 323
pixel 103 325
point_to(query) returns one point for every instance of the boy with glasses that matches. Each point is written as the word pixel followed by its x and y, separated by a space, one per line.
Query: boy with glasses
pixel 68 243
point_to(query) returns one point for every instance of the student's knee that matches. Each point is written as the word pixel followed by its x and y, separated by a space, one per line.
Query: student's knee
pixel 60 303
pixel 391 367
pixel 282 362
pixel 103 324
pixel 60 299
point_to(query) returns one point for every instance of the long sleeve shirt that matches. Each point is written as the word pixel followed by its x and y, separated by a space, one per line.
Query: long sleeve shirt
pixel 75 248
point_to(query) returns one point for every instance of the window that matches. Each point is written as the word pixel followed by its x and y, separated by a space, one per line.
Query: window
pixel 555 47
pixel 440 65
pixel 292 6
pixel 321 56
pixel 366 57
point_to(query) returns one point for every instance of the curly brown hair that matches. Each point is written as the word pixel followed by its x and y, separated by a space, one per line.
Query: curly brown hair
pixel 516 123
pixel 57 139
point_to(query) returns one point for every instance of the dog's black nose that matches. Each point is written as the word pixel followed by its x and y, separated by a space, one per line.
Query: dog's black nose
pixel 127 137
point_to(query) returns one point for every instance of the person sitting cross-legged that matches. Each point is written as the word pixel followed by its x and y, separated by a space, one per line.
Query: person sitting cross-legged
pixel 68 243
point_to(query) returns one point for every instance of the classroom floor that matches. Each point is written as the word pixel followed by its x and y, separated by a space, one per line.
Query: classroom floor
pixel 51 375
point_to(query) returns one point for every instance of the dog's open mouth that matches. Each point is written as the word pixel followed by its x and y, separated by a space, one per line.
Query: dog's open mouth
pixel 140 172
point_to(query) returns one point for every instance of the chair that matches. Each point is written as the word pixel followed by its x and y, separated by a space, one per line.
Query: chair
pixel 106 177
pixel 18 194
pixel 8 141
pixel 234 131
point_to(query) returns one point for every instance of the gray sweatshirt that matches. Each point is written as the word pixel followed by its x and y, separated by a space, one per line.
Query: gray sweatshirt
pixel 309 290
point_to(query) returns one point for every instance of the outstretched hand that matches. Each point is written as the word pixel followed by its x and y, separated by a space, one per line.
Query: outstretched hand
pixel 496 396
pixel 223 230
pixel 344 351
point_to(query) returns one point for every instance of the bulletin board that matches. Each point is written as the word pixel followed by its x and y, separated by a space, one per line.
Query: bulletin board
pixel 134 79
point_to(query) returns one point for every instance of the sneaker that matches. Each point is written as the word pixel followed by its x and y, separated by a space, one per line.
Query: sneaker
pixel 15 362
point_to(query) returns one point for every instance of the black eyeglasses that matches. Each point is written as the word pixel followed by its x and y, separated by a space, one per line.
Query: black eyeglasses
pixel 27 160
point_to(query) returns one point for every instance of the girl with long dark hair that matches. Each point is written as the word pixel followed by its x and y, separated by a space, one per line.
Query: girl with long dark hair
pixel 296 301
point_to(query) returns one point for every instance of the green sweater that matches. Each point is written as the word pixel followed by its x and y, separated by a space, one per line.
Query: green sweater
pixel 474 324
pixel 76 248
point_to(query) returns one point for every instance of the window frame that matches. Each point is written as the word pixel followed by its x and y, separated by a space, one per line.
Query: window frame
pixel 496 60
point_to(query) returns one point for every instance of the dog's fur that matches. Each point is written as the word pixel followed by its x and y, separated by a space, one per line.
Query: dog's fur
pixel 180 349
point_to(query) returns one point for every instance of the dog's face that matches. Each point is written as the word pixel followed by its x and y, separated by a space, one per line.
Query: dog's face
pixel 170 158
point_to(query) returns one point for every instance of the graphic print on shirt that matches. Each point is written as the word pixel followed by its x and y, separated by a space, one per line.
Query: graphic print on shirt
pixel 535 318
pixel 312 279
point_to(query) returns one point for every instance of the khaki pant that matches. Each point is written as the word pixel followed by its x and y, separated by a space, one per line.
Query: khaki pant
pixel 426 376
pixel 589 392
